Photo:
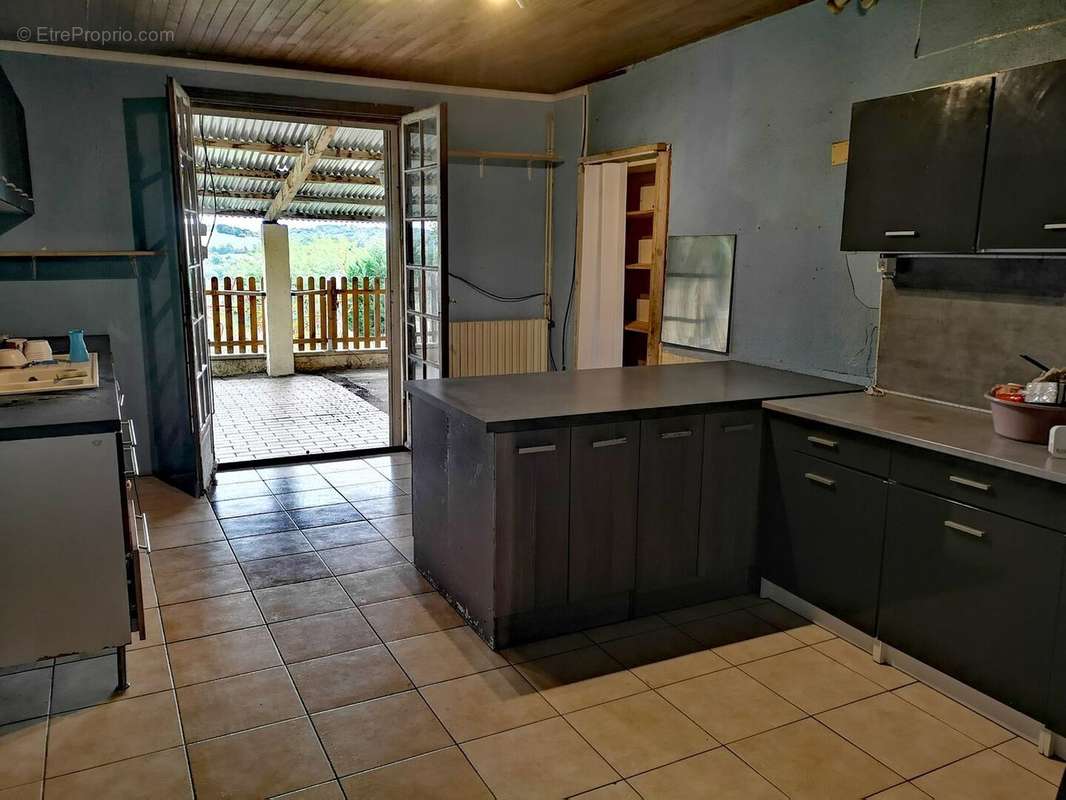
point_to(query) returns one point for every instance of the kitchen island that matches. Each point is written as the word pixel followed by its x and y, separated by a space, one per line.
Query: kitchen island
pixel 550 502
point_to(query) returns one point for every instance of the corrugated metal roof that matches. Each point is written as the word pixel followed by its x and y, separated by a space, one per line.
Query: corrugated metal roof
pixel 229 179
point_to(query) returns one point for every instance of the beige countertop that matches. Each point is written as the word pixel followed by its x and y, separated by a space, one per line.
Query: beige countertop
pixel 933 426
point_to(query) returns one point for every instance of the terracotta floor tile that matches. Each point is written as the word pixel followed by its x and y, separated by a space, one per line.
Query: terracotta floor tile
pixel 323 791
pixel 213 615
pixel 384 507
pixel 629 627
pixel 537 762
pixel 325 515
pixel 863 663
pixel 713 608
pixel 236 491
pixel 405 545
pixel 985 776
pixel 200 583
pixel 810 680
pixel 257 525
pixel 25 695
pixel 361 557
pixel 1026 755
pixel 345 678
pixel 739 637
pixel 388 583
pixel 443 655
pixel 639 733
pixel 580 678
pixel 664 656
pixel 349 533
pixel 715 775
pixel 246 507
pixel 545 647
pixel 194 556
pixel 443 775
pixel 222 655
pixel 22 752
pixel 394 527
pixel 485 703
pixel 899 735
pixel 954 714
pixel 235 704
pixel 112 732
pixel 302 599
pixel 153 631
pixel 807 761
pixel 309 498
pixel 163 775
pixel 795 625
pixel 190 533
pixel 904 791
pixel 269 545
pixel 411 616
pixel 612 791
pixel 379 732
pixel 27 791
pixel 322 635
pixel 373 490
pixel 731 705
pixel 92 681
pixel 282 570
pixel 259 763
pixel 166 515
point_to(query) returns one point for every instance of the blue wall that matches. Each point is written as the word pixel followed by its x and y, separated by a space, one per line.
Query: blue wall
pixel 751 115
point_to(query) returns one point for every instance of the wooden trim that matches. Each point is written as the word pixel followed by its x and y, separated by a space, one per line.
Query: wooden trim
pixel 575 303
pixel 503 155
pixel 627 153
pixel 300 198
pixel 294 150
pixel 301 168
pixel 78 253
pixel 660 224
pixel 290 107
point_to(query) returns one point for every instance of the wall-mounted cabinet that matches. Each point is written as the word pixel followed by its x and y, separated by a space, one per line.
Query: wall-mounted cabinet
pixel 16 191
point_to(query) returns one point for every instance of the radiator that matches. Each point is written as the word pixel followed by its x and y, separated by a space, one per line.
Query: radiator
pixel 498 347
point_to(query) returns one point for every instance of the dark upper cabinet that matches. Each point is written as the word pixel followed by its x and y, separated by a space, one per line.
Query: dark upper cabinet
pixel 532 520
pixel 973 594
pixel 604 471
pixel 914 170
pixel 671 455
pixel 1024 199
pixel 16 191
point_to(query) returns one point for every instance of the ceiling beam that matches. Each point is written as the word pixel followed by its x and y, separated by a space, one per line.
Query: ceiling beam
pixel 377 202
pixel 269 175
pixel 293 150
pixel 301 168
pixel 318 217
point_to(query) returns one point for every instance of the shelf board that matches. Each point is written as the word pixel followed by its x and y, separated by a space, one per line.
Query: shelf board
pixel 503 155
pixel 641 214
pixel 78 253
pixel 636 326
pixel 648 265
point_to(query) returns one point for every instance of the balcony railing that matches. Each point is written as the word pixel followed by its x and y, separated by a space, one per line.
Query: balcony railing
pixel 328 315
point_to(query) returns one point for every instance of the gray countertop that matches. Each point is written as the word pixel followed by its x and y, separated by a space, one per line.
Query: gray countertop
pixel 69 412
pixel 933 426
pixel 510 402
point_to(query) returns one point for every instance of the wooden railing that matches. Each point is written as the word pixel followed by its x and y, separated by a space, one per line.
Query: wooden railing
pixel 333 314
pixel 328 314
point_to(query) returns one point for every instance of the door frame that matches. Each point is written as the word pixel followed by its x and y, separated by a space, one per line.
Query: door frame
pixel 383 117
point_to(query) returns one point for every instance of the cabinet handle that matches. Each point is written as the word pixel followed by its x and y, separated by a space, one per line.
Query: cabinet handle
pixel 135 468
pixel 540 448
pixel 818 441
pixel 819 479
pixel 900 234
pixel 610 442
pixel 675 435
pixel 1055 226
pixel 738 428
pixel 131 433
pixel 147 546
pixel 958 526
pixel 981 487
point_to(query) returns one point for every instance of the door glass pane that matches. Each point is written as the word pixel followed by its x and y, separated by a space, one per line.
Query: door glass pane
pixel 429 141
pixel 432 372
pixel 415 290
pixel 412 205
pixel 412 146
pixel 432 340
pixel 431 192
pixel 431 280
pixel 414 243
pixel 432 244
pixel 415 371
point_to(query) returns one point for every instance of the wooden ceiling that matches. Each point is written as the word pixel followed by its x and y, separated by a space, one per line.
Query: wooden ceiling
pixel 547 46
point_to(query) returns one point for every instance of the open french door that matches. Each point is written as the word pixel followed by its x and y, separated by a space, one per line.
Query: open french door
pixel 191 275
pixel 424 195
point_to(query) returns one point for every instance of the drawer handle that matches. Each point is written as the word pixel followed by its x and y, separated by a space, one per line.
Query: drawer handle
pixel 981 487
pixel 675 435
pixel 900 234
pixel 135 469
pixel 1055 226
pixel 819 479
pixel 958 526
pixel 610 442
pixel 818 441
pixel 540 448
pixel 131 433
pixel 749 426
pixel 147 545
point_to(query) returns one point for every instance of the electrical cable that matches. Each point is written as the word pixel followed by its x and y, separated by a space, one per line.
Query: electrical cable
pixel 500 298
pixel 573 274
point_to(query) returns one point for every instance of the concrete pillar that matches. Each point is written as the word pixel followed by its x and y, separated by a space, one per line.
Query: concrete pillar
pixel 277 307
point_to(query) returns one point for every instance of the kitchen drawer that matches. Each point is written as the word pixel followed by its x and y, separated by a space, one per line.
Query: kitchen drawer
pixel 832 444
pixel 972 593
pixel 1030 499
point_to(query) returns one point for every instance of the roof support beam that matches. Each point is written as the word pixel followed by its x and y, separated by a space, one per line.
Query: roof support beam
pixel 269 175
pixel 301 168
pixel 327 217
pixel 294 150
pixel 377 202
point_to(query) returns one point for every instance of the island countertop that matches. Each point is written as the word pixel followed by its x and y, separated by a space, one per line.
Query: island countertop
pixel 513 402
pixel 951 430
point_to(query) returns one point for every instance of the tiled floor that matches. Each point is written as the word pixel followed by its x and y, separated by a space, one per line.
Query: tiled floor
pixel 294 651
pixel 257 417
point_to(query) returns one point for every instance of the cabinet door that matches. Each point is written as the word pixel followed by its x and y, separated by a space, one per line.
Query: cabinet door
pixel 1024 200
pixel 603 508
pixel 671 453
pixel 732 454
pixel 973 594
pixel 914 170
pixel 532 519
pixel 826 547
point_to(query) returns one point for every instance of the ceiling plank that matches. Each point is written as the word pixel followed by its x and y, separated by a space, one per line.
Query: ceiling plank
pixel 299 172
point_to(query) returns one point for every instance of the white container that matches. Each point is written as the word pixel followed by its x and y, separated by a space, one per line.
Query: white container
pixel 37 350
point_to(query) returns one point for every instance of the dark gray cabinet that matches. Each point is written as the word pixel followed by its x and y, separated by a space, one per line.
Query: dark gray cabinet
pixel 16 191
pixel 604 470
pixel 1024 198
pixel 973 594
pixel 532 519
pixel 668 517
pixel 914 170
pixel 729 507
